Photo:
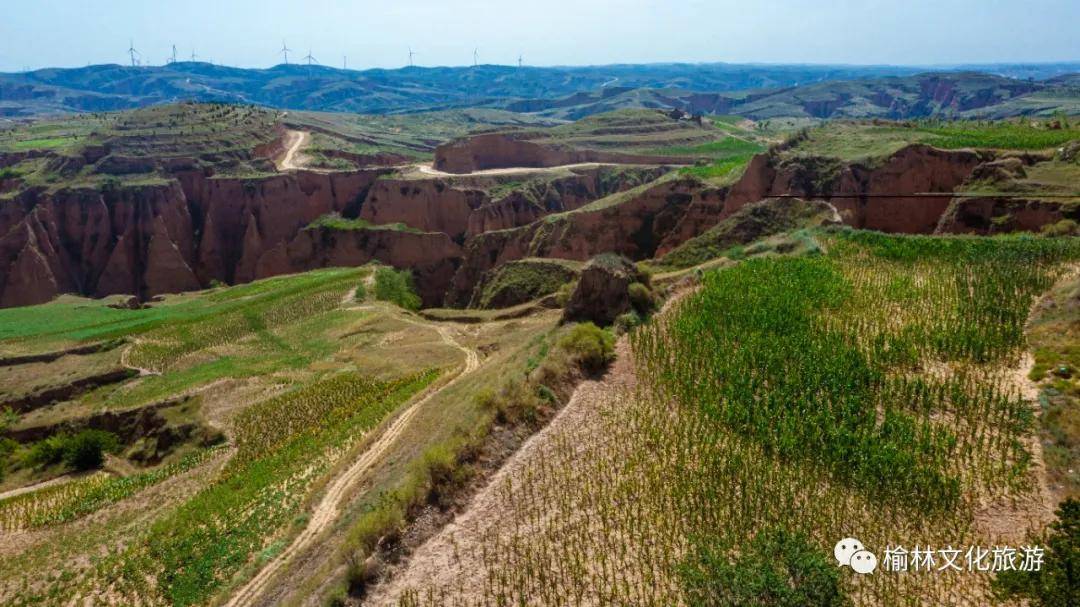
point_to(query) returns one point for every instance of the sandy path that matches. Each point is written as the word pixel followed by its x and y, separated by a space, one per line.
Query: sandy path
pixel 143 371
pixel 451 558
pixel 60 480
pixel 328 509
pixel 294 141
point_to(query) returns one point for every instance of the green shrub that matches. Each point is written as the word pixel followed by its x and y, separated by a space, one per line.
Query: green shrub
pixel 625 322
pixel 641 298
pixel 83 451
pixel 562 296
pixel 1057 583
pixel 47 451
pixel 1065 227
pixel 86 450
pixel 591 347
pixel 361 293
pixel 7 447
pixel 396 286
pixel 779 568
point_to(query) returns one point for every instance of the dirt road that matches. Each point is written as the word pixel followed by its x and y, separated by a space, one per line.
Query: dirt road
pixel 429 170
pixel 294 140
pixel 328 509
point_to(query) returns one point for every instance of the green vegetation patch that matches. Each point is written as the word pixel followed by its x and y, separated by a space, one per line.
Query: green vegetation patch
pixel 396 287
pixel 813 331
pixel 727 147
pixel 334 221
pixel 522 280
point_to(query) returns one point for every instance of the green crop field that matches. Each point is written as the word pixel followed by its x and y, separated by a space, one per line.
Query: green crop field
pixel 868 390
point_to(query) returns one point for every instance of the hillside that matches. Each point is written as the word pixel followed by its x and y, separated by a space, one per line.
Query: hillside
pixel 940 94
pixel 255 357
pixel 569 92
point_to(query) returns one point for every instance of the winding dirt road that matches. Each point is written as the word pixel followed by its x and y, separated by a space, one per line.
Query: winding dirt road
pixel 294 141
pixel 328 509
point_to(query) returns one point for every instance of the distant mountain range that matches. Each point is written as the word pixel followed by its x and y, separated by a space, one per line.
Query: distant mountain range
pixel 757 91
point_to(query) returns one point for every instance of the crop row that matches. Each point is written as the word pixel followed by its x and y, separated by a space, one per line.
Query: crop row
pixel 868 391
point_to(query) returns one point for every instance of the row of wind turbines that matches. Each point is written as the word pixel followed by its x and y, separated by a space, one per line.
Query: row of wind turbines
pixel 136 56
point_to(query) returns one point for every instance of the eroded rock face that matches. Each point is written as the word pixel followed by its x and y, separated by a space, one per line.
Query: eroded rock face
pixel 96 242
pixel 184 233
pixel 602 292
pixel 633 228
pixel 894 196
pixel 891 196
pixel 501 150
pixel 432 256
pixel 431 205
pixel 992 215
pixel 150 239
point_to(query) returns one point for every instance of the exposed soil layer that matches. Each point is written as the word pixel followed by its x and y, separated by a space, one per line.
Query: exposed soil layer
pixel 994 215
pixel 196 229
pixel 907 192
pixel 500 150
pixel 67 391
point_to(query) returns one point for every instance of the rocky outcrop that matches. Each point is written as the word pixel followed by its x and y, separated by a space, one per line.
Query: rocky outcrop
pixel 96 242
pixel 538 198
pixel 895 195
pixel 503 150
pixel 995 215
pixel 602 292
pixel 159 238
pixel 243 219
pixel 431 205
pixel 633 227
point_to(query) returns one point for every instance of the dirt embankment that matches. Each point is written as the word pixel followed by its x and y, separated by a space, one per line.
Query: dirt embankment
pixel 994 215
pixel 501 150
pixel 900 194
pixel 166 238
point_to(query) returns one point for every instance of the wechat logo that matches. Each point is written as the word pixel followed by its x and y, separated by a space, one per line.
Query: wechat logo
pixel 851 552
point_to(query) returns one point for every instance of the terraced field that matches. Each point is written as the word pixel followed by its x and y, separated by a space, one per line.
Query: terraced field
pixel 878 390
pixel 287 378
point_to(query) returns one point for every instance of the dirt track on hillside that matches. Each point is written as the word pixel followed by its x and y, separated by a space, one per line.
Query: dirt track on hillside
pixel 294 141
pixel 328 509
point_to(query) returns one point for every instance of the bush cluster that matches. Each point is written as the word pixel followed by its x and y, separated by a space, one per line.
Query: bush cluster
pixel 396 286
pixel 82 451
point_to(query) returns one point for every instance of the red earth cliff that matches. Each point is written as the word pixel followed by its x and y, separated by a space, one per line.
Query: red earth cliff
pixel 501 150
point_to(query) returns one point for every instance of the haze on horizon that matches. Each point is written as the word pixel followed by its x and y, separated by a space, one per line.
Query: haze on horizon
pixel 249 33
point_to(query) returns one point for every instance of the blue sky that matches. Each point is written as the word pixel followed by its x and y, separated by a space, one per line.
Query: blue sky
pixel 41 33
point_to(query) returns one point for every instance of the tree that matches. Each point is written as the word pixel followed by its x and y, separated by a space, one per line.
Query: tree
pixel 1057 582
pixel 86 450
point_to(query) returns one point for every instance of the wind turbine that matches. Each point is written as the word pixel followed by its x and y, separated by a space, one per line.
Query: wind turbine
pixel 132 52
pixel 285 51
pixel 520 59
pixel 411 53
pixel 193 56
pixel 310 59
pixel 173 58
pixel 344 62
pixel 476 57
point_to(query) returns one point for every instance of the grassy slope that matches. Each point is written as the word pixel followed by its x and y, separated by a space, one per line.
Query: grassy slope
pixel 862 141
pixel 1054 334
pixel 286 336
pixel 522 280
pixel 850 392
